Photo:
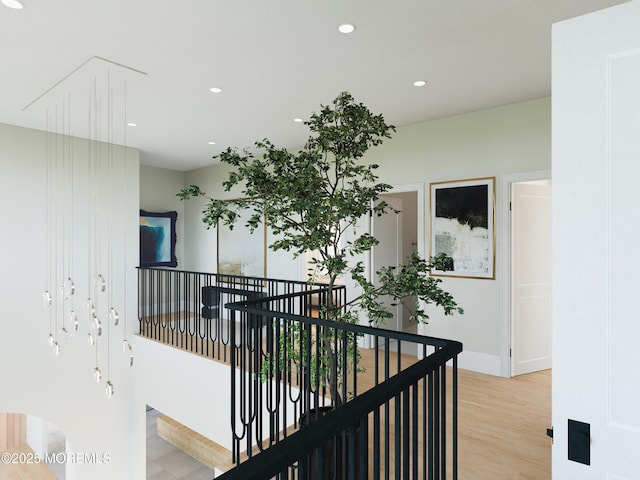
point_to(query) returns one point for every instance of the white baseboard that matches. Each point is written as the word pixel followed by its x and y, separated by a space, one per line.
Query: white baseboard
pixel 480 362
pixel 476 362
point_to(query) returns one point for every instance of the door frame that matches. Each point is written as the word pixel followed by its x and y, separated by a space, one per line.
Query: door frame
pixel 419 188
pixel 506 268
pixel 383 229
pixel 407 188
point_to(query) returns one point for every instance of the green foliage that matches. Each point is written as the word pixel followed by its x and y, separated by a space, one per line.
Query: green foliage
pixel 410 281
pixel 314 351
pixel 311 199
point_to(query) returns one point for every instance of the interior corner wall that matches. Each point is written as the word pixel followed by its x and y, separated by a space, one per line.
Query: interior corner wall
pixel 61 389
pixel 494 142
pixel 158 190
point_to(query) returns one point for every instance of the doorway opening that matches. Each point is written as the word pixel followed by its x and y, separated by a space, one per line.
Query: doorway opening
pixel 399 235
pixel 530 275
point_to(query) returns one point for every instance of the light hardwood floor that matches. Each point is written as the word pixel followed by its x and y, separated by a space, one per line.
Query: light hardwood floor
pixel 502 425
pixel 27 470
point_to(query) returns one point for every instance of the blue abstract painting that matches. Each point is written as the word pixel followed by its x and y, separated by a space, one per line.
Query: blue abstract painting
pixel 158 239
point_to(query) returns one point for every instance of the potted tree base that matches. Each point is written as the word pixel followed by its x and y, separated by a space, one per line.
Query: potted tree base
pixel 335 453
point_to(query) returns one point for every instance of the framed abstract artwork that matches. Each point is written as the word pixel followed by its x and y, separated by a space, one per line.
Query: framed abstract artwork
pixel 158 239
pixel 242 252
pixel 462 227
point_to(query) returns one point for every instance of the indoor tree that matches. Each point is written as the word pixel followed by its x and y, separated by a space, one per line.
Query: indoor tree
pixel 312 200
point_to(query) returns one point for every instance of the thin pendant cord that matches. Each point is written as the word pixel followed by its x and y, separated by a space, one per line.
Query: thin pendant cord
pixel 97 213
pixel 94 273
pixel 69 285
pixel 47 299
pixel 56 233
pixel 72 188
pixel 124 223
pixel 97 198
pixel 109 184
pixel 109 216
pixel 89 162
pixel 63 207
pixel 91 226
pixel 126 347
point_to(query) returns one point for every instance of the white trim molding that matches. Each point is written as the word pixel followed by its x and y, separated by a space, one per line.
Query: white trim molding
pixel 480 362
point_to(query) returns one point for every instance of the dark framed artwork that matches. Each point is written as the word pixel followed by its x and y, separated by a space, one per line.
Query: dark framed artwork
pixel 462 226
pixel 158 239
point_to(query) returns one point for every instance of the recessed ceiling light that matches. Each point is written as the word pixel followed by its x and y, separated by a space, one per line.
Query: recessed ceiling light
pixel 211 143
pixel 346 28
pixel 215 90
pixel 298 120
pixel 419 83
pixel 131 124
pixel 15 4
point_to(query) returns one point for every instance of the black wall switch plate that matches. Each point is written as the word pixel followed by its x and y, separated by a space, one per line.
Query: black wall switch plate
pixel 579 442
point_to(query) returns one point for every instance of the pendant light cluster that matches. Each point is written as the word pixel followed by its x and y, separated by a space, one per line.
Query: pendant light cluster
pixel 87 212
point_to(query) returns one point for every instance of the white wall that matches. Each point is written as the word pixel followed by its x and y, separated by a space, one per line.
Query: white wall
pixel 196 392
pixel 34 381
pixel 494 142
pixel 189 388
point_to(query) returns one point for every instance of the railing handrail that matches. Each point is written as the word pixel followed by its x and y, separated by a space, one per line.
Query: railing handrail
pixel 294 447
pixel 253 306
pixel 244 278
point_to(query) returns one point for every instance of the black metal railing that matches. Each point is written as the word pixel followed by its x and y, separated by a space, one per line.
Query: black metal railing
pixel 349 442
pixel 399 406
pixel 185 308
pixel 312 398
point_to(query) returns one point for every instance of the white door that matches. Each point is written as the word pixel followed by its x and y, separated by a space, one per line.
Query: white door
pixel 388 230
pixel 596 254
pixel 531 276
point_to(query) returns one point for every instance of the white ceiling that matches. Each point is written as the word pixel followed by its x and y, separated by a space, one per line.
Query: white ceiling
pixel 277 60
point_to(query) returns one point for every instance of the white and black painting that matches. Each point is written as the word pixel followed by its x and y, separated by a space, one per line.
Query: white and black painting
pixel 462 226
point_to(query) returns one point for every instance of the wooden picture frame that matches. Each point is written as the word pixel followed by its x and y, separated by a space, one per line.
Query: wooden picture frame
pixel 463 226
